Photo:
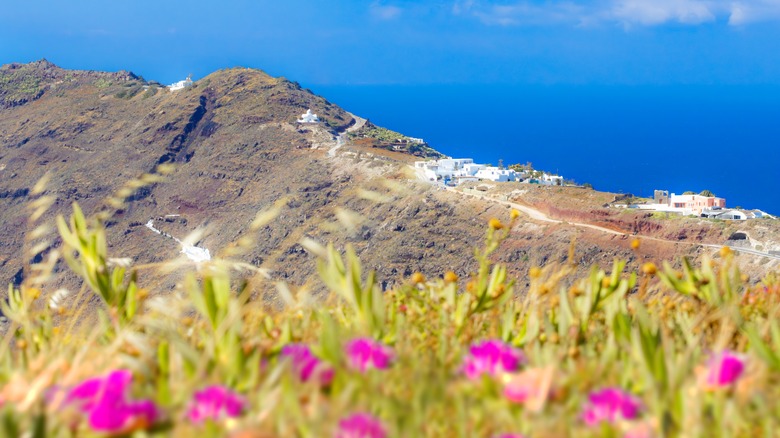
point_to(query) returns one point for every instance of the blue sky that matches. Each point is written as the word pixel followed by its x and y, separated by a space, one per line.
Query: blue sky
pixel 408 42
pixel 680 78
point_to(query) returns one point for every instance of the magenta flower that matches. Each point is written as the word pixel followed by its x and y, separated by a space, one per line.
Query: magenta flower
pixel 723 369
pixel 306 364
pixel 611 405
pixel 361 425
pixel 491 357
pixel 365 353
pixel 108 409
pixel 511 435
pixel 215 403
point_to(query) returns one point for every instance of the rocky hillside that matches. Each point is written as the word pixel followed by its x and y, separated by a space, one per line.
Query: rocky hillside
pixel 237 150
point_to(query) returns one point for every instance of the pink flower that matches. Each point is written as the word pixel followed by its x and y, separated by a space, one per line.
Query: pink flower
pixel 491 357
pixel 306 364
pixel 215 403
pixel 723 369
pixel 361 425
pixel 105 403
pixel 611 405
pixel 365 353
pixel 511 435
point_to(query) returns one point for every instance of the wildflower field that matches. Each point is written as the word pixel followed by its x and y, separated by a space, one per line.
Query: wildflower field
pixel 656 353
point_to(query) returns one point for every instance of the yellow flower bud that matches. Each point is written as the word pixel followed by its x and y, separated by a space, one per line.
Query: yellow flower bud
pixel 635 244
pixel 649 268
pixel 535 272
pixel 450 277
pixel 495 224
pixel 34 293
pixel 514 214
pixel 418 278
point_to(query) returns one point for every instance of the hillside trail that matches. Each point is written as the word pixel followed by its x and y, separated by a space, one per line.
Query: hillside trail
pixel 542 217
pixel 536 214
pixel 341 140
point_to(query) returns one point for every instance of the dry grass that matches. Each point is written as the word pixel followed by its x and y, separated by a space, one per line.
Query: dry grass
pixel 650 333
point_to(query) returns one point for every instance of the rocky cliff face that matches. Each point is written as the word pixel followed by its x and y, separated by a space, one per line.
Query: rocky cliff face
pixel 236 149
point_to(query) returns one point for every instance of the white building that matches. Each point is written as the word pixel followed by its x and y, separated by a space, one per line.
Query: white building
pixel 429 169
pixel 181 84
pixel 696 204
pixel 496 174
pixel 458 170
pixel 551 180
pixel 758 214
pixel 447 169
pixel 692 205
pixel 730 215
pixel 471 169
pixel 454 164
pixel 309 117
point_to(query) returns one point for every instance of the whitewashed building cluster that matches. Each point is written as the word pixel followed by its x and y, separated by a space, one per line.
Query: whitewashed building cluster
pixel 698 205
pixel 453 171
pixel 687 204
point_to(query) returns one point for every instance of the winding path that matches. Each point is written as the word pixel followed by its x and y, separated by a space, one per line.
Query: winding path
pixel 341 140
pixel 538 215
pixel 542 217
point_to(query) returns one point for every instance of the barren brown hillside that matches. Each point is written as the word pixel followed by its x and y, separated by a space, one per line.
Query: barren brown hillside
pixel 237 150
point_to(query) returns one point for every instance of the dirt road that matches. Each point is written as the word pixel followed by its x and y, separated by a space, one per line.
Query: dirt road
pixel 342 139
pixel 542 217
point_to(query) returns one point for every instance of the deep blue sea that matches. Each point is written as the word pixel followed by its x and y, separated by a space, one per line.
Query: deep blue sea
pixel 618 138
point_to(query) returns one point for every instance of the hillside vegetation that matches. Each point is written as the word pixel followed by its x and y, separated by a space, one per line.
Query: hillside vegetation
pixel 637 353
pixel 383 138
pixel 236 149
pixel 429 313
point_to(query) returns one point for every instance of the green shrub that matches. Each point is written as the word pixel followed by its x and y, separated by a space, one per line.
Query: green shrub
pixel 102 83
pixel 150 91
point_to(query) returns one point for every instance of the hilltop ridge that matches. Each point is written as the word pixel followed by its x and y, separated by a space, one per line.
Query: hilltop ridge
pixel 23 83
